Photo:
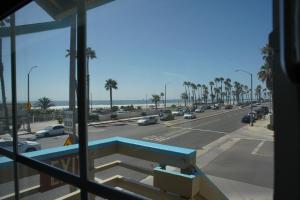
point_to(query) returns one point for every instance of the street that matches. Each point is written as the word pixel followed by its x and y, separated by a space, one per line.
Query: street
pixel 224 153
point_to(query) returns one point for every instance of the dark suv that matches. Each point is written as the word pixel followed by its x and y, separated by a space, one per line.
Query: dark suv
pixel 166 115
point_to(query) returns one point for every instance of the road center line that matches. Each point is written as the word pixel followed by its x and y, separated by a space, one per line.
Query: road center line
pixel 197 129
pixel 257 148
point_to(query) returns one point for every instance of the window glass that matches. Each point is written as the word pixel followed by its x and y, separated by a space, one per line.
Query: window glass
pixel 7 188
pixel 46 98
pixel 5 84
pixel 41 186
pixel 189 64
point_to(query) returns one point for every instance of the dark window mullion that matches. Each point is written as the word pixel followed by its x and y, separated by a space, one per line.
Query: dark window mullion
pixel 14 100
pixel 81 97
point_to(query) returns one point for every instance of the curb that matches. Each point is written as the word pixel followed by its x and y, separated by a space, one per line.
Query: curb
pixel 216 114
pixel 119 120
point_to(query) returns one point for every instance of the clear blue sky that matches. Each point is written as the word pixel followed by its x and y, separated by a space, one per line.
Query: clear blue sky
pixel 144 44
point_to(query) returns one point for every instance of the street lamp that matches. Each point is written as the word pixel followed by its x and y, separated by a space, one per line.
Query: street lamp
pixel 249 73
pixel 28 98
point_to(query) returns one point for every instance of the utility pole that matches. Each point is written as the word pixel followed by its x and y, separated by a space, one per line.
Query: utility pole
pixel 165 96
pixel 146 102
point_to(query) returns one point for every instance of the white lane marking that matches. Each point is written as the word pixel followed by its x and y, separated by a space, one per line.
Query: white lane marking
pixel 154 138
pixel 257 148
pixel 163 138
pixel 197 129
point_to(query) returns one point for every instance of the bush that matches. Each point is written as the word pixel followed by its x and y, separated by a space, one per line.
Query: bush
pixel 173 106
pixel 139 108
pixel 93 117
pixel 114 108
pixel 60 120
pixel 143 114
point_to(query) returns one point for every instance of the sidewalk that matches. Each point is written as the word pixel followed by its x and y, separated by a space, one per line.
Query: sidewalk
pixel 236 190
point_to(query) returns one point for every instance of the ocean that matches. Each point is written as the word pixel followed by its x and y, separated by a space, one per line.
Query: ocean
pixel 106 103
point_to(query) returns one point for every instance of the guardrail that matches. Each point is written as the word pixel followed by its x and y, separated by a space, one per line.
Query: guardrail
pixel 188 182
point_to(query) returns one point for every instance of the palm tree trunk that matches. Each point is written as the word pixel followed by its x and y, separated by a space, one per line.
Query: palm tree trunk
pixel 110 95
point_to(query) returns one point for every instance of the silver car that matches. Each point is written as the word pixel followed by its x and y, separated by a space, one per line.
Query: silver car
pixel 23 146
pixel 189 115
pixel 51 131
pixel 147 120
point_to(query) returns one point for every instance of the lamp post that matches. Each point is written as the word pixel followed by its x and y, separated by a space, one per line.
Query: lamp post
pixel 28 98
pixel 165 96
pixel 249 73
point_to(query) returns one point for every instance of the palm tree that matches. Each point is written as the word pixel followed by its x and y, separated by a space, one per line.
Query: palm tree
pixel 188 86
pixel 155 99
pixel 205 93
pixel 44 103
pixel 162 96
pixel 217 92
pixel 265 72
pixel 199 88
pixel 246 89
pixel 194 88
pixel 217 80
pixel 184 97
pixel 90 54
pixel 227 83
pixel 185 83
pixel 211 83
pixel 265 93
pixel 110 85
pixel 221 80
pixel 258 92
pixel 237 87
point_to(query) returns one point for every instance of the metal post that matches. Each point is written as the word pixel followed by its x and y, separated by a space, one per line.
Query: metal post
pixel 146 102
pixel 249 73
pixel 28 99
pixel 165 96
pixel 251 101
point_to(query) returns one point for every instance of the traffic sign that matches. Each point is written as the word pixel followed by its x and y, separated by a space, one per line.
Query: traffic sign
pixel 68 141
pixel 68 122
pixel 27 106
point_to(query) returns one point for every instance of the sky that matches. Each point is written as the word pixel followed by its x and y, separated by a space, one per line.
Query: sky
pixel 144 45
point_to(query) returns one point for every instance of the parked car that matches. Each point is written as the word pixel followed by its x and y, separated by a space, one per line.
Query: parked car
pixel 177 112
pixel 254 114
pixel 23 146
pixel 247 119
pixel 265 110
pixel 259 113
pixel 51 131
pixel 167 115
pixel 200 110
pixel 216 107
pixel 189 115
pixel 147 120
pixel 229 106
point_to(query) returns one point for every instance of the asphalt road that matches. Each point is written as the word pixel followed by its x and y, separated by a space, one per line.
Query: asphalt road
pixel 196 133
pixel 238 163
